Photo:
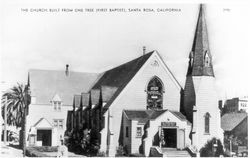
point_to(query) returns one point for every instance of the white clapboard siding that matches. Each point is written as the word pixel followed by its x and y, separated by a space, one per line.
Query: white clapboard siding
pixel 206 101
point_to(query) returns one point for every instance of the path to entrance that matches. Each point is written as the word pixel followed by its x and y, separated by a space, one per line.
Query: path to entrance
pixel 172 152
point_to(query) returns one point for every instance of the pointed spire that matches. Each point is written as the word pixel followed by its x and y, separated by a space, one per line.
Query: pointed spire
pixel 201 37
pixel 200 63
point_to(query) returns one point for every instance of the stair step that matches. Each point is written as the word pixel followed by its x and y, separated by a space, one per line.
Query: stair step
pixel 175 153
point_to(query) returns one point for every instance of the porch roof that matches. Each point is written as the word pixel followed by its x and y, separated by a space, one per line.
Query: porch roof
pixel 142 116
pixel 43 123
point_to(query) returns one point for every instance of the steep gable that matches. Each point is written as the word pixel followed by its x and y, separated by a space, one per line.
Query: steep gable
pixel 116 79
pixel 43 123
pixel 77 101
pixel 56 98
pixel 120 76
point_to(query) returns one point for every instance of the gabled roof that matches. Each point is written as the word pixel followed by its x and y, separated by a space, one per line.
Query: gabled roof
pixel 85 99
pixel 56 98
pixel 120 76
pixel 42 123
pixel 69 118
pixel 136 114
pixel 44 84
pixel 153 115
pixel 231 120
pixel 95 96
pixel 77 101
pixel 107 92
pixel 179 115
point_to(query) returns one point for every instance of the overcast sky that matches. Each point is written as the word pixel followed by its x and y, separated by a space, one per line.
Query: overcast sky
pixel 95 42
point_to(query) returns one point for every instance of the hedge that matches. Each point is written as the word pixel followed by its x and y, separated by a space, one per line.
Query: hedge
pixel 37 151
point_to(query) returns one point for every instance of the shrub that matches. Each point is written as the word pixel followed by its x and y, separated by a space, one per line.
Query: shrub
pixel 210 151
pixel 101 154
pixel 46 148
pixel 120 151
pixel 33 152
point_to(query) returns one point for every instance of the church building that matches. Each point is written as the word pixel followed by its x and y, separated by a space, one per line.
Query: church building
pixel 140 104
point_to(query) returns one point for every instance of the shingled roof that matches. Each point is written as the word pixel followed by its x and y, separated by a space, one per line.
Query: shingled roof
pixel 95 96
pixel 45 84
pixel 231 120
pixel 120 76
pixel 85 99
pixel 107 92
pixel 136 114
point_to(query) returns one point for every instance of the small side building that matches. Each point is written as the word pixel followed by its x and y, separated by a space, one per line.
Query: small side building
pixel 235 126
pixel 51 99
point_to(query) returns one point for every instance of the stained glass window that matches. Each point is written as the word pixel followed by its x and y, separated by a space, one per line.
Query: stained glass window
pixel 154 94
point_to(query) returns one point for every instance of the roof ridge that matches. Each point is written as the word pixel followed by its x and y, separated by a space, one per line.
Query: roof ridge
pixel 32 69
pixel 134 110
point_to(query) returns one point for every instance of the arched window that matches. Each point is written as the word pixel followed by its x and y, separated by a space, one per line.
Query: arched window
pixel 207 122
pixel 207 59
pixel 154 94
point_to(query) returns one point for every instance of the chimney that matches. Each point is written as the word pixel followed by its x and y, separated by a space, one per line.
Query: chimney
pixel 144 50
pixel 67 70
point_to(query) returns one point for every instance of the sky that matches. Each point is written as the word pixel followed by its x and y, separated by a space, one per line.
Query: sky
pixel 97 41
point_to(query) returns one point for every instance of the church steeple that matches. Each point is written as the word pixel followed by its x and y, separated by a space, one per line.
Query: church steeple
pixel 200 101
pixel 200 59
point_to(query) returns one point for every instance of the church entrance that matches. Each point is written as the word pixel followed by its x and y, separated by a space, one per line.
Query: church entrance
pixel 44 136
pixel 170 138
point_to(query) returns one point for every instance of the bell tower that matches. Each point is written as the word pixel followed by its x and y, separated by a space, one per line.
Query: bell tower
pixel 200 59
pixel 200 94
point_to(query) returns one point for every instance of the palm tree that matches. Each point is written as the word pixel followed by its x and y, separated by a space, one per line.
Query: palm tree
pixel 18 99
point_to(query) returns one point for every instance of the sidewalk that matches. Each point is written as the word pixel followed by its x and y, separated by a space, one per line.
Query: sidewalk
pixel 11 152
pixel 7 151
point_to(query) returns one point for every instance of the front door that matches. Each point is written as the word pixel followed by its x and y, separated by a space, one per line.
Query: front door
pixel 170 137
pixel 44 136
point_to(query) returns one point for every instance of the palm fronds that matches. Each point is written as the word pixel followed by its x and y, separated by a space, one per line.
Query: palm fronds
pixel 17 100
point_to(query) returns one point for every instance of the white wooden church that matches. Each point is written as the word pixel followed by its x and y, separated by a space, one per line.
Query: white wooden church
pixel 140 104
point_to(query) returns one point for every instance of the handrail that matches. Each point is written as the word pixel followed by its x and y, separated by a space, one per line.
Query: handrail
pixel 191 150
